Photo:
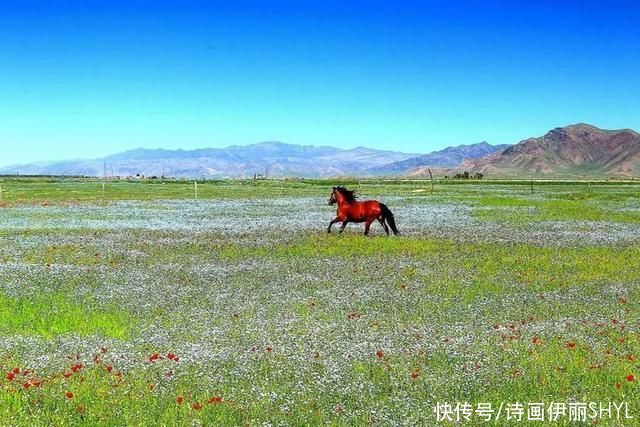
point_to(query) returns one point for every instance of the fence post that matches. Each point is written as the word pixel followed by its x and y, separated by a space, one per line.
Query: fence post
pixel 195 185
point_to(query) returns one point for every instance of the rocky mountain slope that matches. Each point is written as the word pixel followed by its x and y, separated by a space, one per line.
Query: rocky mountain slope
pixel 571 151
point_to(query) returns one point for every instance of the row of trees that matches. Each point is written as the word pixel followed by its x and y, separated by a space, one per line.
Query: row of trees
pixel 466 175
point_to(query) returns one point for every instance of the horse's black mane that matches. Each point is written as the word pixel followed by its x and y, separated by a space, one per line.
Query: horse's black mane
pixel 348 194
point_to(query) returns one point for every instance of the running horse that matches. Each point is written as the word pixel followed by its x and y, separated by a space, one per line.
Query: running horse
pixel 350 210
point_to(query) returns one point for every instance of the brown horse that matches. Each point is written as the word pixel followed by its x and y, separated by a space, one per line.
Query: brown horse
pixel 350 210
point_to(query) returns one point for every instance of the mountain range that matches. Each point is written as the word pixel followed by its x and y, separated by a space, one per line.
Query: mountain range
pixel 570 151
pixel 271 159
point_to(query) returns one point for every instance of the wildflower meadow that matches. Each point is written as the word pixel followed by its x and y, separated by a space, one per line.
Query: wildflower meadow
pixel 136 303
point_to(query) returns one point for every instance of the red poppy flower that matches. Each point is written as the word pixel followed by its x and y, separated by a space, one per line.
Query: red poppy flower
pixel 10 376
pixel 67 374
pixel 269 349
pixel 353 315
pixel 618 385
pixel 179 400
pixel 380 354
pixel 26 385
pixel 154 357
pixel 171 356
pixel 571 345
pixel 77 367
pixel 36 383
pixel 109 368
pixel 197 406
pixel 214 399
pixel 630 377
pixel 415 374
pixel 535 340
pixel 16 370
pixel 69 395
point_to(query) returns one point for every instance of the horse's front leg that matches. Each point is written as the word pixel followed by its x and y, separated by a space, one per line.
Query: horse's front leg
pixel 333 221
pixel 344 224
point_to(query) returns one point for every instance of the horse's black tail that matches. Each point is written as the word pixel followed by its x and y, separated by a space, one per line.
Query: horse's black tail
pixel 387 215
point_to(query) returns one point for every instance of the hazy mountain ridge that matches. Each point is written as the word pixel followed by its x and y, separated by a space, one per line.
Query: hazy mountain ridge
pixel 448 157
pixel 265 158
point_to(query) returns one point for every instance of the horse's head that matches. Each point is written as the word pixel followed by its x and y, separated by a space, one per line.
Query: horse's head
pixel 341 194
pixel 333 200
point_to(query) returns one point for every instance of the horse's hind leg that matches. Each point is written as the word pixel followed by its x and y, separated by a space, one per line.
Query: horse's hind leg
pixel 367 226
pixel 384 225
pixel 344 224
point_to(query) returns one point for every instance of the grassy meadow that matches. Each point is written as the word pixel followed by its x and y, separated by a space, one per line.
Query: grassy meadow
pixel 136 303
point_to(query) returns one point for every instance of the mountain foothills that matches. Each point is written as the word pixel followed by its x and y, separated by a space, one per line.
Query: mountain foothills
pixel 571 151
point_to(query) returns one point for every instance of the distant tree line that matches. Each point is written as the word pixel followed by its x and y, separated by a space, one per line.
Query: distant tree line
pixel 466 175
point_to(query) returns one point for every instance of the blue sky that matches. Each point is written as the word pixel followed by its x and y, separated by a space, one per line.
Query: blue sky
pixel 91 78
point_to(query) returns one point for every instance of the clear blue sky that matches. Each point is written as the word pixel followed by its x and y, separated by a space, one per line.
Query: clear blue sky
pixel 88 78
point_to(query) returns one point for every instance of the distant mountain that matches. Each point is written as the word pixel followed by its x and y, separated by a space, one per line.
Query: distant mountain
pixel 571 151
pixel 273 159
pixel 448 157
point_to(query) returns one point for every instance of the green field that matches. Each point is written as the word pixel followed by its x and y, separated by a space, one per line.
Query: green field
pixel 134 303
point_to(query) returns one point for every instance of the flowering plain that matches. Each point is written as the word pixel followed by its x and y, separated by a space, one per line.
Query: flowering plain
pixel 134 303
